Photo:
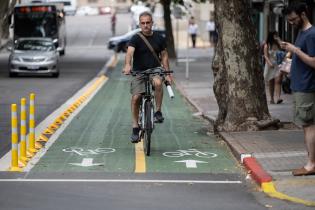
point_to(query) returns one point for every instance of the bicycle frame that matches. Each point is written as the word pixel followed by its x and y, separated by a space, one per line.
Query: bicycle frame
pixel 147 104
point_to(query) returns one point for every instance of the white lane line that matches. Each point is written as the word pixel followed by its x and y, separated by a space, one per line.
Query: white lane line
pixel 124 181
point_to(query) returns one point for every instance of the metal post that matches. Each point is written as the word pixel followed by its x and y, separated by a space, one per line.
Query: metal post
pixel 31 134
pixel 187 58
pixel 23 158
pixel 14 139
pixel 177 44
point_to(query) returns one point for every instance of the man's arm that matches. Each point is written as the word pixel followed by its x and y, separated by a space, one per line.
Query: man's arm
pixel 128 59
pixel 164 60
pixel 166 66
pixel 303 56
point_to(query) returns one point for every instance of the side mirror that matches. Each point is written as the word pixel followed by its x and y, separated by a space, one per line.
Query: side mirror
pixel 59 49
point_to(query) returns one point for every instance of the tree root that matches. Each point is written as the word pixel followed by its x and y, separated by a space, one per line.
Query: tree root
pixel 267 124
pixel 251 124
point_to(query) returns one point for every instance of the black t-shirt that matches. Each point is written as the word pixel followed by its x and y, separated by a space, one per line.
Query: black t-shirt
pixel 143 58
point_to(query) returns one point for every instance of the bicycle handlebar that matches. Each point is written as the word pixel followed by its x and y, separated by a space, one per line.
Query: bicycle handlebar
pixel 161 72
pixel 157 70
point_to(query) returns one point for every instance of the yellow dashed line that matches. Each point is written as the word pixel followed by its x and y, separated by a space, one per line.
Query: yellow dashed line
pixel 140 166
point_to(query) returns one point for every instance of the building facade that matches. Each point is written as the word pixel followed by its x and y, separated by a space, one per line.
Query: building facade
pixel 268 16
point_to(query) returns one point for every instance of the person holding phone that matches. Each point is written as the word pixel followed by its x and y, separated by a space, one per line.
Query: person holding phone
pixel 303 79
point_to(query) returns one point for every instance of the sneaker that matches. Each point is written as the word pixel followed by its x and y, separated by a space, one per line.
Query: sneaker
pixel 158 117
pixel 135 135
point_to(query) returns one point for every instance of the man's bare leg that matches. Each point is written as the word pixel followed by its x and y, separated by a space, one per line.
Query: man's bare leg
pixel 157 82
pixel 309 136
pixel 135 104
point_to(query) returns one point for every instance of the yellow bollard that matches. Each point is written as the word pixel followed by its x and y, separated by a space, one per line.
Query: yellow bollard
pixel 31 135
pixel 14 139
pixel 23 158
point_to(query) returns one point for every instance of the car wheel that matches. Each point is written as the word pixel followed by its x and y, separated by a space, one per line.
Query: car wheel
pixel 62 52
pixel 12 74
pixel 55 75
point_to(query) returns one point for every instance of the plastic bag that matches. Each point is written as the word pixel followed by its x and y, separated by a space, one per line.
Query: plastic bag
pixel 285 66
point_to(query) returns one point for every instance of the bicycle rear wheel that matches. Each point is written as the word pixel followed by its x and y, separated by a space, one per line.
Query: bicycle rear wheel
pixel 148 127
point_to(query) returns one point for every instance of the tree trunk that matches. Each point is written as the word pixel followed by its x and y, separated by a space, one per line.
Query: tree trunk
pixel 5 12
pixel 168 28
pixel 238 80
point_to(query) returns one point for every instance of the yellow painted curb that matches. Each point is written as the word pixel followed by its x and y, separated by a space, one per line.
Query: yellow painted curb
pixel 269 189
pixel 42 137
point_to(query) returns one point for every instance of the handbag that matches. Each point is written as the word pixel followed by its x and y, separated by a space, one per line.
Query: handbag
pixel 150 47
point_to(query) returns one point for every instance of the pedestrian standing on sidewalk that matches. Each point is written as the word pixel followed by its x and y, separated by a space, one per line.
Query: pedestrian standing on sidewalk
pixel 140 58
pixel 210 27
pixel 303 79
pixel 192 30
pixel 272 75
pixel 113 20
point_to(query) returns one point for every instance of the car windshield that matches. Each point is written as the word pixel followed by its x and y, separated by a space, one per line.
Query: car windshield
pixel 35 45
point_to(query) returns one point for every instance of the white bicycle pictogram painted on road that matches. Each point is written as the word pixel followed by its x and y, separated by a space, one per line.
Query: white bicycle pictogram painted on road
pixel 83 152
pixel 190 152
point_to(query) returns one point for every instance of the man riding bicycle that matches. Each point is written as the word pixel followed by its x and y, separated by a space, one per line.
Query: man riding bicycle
pixel 141 57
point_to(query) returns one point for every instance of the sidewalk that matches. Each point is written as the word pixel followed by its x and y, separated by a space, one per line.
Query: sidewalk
pixel 277 151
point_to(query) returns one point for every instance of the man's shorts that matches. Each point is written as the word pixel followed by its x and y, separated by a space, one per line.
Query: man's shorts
pixel 304 108
pixel 137 85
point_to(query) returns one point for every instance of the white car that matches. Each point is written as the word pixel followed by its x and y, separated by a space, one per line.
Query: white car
pixel 87 10
pixel 34 56
pixel 136 10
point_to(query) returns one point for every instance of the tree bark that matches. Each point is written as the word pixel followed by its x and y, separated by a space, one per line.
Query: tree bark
pixel 5 12
pixel 238 80
pixel 168 28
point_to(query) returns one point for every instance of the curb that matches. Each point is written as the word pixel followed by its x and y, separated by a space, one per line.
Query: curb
pixel 264 180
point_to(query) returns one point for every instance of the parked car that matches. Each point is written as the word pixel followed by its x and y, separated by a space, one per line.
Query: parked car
pixel 34 56
pixel 105 10
pixel 120 43
pixel 87 10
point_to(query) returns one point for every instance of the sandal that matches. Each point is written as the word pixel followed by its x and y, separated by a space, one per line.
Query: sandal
pixel 279 101
pixel 303 172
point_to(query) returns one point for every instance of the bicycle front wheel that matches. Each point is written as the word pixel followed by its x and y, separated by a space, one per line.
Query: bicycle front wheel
pixel 148 127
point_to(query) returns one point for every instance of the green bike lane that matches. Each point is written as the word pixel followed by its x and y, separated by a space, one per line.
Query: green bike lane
pixel 97 139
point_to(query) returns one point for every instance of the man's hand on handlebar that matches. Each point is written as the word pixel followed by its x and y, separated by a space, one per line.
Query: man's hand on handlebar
pixel 169 78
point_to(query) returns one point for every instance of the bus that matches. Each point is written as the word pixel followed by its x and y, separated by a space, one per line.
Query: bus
pixel 40 20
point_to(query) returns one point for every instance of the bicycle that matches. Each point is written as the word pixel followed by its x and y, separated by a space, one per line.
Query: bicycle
pixel 146 110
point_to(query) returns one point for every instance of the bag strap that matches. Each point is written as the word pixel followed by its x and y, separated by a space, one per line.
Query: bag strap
pixel 149 46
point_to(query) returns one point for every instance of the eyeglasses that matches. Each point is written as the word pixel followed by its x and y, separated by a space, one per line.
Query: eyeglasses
pixel 146 23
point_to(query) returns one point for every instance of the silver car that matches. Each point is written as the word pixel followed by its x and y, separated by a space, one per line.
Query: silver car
pixel 34 56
